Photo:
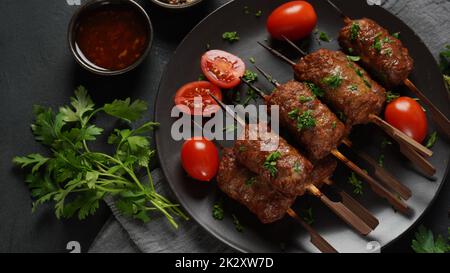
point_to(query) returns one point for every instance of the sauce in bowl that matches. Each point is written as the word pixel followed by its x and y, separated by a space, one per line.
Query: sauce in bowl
pixel 111 37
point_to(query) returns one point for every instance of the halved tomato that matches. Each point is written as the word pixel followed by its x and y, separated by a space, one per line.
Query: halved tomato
pixel 206 105
pixel 222 68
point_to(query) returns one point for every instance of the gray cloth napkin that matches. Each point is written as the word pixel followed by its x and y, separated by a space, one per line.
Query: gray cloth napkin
pixel 430 19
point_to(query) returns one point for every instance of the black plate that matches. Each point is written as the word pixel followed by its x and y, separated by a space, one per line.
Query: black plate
pixel 198 199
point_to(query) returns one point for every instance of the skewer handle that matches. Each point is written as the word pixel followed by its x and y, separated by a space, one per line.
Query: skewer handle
pixel 401 137
pixel 316 238
pixel 355 206
pixel 342 211
pixel 418 160
pixel 438 117
pixel 379 189
pixel 382 174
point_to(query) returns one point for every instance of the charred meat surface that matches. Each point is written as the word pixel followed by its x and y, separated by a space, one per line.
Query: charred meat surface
pixel 380 52
pixel 256 194
pixel 273 159
pixel 349 90
pixel 298 103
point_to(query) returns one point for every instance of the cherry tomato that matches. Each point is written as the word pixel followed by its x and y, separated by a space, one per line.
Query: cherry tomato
pixel 294 20
pixel 200 158
pixel 407 115
pixel 222 68
pixel 188 92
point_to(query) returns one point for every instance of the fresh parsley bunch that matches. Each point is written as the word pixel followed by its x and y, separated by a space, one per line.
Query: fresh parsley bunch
pixel 76 178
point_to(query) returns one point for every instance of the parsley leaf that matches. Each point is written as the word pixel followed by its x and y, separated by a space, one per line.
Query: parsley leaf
pixel 217 211
pixel 126 110
pixel 333 81
pixel 271 163
pixel 231 36
pixel 354 31
pixel 237 224
pixel 250 76
pixel 317 91
pixel 308 216
pixel 353 58
pixel 390 96
pixel 356 183
pixel 396 35
pixel 304 120
pixel 324 37
pixel 425 242
pixel 432 140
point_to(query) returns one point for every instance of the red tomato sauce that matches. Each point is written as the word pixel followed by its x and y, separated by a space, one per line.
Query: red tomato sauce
pixel 112 38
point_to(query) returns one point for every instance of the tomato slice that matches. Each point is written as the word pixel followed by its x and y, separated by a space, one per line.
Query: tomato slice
pixel 407 115
pixel 222 68
pixel 200 158
pixel 187 93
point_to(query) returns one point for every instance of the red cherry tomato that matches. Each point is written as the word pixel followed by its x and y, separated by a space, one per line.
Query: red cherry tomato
pixel 407 115
pixel 188 92
pixel 294 20
pixel 200 158
pixel 222 68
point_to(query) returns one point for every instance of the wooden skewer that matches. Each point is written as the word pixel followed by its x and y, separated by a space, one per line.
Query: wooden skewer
pixel 316 238
pixel 337 207
pixel 440 119
pixel 379 189
pixel 399 136
pixel 354 205
pixel 382 174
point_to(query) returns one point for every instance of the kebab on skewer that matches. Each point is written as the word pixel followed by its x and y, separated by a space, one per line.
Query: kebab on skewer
pixel 351 91
pixel 385 56
pixel 261 199
pixel 326 132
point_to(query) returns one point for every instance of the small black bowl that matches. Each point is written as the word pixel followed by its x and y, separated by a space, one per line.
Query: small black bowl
pixel 90 6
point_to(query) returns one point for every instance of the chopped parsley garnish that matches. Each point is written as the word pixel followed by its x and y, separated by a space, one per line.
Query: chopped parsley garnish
pixel 304 120
pixel 252 60
pixel 388 51
pixel 396 35
pixel 354 31
pixel 317 91
pixel 208 46
pixel 201 77
pixel 381 160
pixel 334 124
pixel 341 116
pixel 250 181
pixel 271 163
pixel 231 36
pixel 359 72
pixel 246 10
pixel 217 211
pixel 237 223
pixel 304 99
pixel 353 58
pixel 250 76
pixel 356 183
pixel 390 96
pixel 324 37
pixel 385 143
pixel 353 87
pixel 333 81
pixel 307 215
pixel 250 96
pixel 377 43
pixel 230 128
pixel 297 167
pixel 258 13
pixel 367 83
pixel 432 140
pixel 350 50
